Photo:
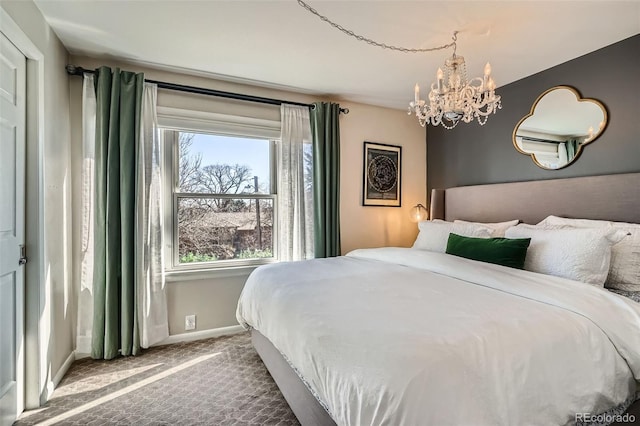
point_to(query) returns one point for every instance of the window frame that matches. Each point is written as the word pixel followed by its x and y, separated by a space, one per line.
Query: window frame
pixel 173 121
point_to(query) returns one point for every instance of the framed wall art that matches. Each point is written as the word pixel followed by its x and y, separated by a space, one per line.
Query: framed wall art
pixel 382 176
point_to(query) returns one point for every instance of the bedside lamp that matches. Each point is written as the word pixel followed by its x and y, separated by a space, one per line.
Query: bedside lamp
pixel 419 213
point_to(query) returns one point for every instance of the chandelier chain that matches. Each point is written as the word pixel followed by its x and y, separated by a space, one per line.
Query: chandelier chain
pixel 373 42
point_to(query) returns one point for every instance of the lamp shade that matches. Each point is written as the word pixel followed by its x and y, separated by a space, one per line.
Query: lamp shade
pixel 419 213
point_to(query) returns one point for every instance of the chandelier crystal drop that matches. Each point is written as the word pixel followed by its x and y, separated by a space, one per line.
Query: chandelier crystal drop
pixel 453 98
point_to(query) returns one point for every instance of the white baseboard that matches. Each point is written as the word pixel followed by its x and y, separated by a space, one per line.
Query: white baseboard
pixel 176 338
pixel 199 335
pixel 51 385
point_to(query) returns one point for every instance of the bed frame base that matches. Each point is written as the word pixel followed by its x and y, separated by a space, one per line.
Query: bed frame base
pixel 633 409
pixel 302 402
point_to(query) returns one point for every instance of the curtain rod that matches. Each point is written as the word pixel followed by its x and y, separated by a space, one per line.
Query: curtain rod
pixel 74 70
pixel 532 139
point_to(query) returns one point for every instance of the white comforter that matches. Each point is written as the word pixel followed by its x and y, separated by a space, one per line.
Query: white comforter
pixel 408 337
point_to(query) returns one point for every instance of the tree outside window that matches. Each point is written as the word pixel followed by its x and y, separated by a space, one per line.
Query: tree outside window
pixel 225 209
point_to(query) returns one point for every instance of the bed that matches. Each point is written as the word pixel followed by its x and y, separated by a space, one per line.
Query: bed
pixel 465 341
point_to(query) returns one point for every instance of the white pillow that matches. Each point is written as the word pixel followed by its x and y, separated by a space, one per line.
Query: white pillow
pixel 624 272
pixel 434 235
pixel 498 227
pixel 579 254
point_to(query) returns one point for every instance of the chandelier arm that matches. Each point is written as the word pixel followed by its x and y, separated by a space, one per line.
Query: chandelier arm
pixel 488 112
pixel 373 42
pixel 480 113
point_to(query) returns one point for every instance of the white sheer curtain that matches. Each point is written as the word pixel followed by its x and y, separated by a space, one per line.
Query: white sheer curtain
pixel 563 158
pixel 295 185
pixel 151 296
pixel 85 297
pixel 150 285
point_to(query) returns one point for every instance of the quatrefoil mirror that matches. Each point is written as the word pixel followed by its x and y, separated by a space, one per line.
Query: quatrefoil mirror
pixel 559 126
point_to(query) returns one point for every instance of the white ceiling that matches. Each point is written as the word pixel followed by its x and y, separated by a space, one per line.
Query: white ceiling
pixel 279 44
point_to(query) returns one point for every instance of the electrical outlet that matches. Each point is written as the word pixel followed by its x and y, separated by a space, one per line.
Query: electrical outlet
pixel 190 322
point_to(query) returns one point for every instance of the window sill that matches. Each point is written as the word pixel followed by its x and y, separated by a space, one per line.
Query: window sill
pixel 177 275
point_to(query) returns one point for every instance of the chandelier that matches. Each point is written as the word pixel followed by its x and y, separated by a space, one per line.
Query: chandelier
pixel 453 98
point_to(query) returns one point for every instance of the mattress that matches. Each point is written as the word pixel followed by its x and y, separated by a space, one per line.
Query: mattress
pixel 402 336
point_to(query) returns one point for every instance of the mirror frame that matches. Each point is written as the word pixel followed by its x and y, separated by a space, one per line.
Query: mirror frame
pixel 579 98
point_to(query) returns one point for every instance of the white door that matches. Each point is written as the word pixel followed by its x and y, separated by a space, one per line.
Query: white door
pixel 12 181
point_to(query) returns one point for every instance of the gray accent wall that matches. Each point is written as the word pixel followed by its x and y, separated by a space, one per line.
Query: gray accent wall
pixel 471 154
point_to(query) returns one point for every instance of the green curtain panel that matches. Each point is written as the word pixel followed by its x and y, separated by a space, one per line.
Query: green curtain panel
pixel 572 148
pixel 325 132
pixel 118 104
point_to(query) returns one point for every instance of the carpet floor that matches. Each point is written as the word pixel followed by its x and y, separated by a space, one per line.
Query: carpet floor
pixel 219 381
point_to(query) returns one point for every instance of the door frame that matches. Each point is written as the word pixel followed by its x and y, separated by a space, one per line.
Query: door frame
pixel 37 309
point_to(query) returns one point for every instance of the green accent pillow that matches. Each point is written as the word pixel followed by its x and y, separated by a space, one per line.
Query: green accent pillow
pixel 509 252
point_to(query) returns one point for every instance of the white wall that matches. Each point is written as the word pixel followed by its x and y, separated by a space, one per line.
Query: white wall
pixel 59 312
pixel 363 227
pixel 214 300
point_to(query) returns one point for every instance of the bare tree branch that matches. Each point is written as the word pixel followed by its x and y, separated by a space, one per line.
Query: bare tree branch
pixel 189 170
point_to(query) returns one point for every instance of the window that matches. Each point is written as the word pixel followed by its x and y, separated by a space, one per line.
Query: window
pixel 223 198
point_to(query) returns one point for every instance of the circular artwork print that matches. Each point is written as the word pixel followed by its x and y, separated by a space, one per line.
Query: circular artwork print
pixel 383 173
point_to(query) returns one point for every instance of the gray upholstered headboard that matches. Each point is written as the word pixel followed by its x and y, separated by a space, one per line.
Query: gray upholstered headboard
pixel 608 197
